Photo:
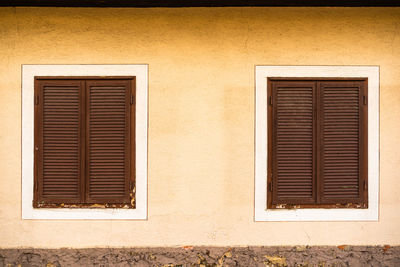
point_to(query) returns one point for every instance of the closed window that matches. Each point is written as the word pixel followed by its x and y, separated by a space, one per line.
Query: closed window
pixel 84 142
pixel 317 143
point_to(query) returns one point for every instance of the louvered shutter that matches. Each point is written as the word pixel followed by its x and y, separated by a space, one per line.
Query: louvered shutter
pixel 57 141
pixel 317 153
pixel 293 142
pixel 108 141
pixel 343 139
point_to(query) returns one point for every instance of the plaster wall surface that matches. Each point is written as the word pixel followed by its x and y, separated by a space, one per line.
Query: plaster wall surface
pixel 201 115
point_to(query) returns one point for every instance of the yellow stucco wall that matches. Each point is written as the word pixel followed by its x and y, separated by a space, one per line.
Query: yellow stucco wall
pixel 201 115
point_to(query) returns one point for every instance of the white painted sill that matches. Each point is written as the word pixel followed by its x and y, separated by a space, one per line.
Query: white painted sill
pixel 28 74
pixel 261 212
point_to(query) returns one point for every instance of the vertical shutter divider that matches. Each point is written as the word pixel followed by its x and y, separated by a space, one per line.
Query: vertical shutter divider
pixel 132 139
pixel 82 143
pixel 363 143
pixel 87 140
pixel 40 142
pixel 37 157
pixel 318 143
pixel 362 101
pixel 129 101
pixel 270 143
pixel 274 148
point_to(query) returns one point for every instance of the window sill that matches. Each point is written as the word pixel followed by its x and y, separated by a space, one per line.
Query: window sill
pixel 84 206
pixel 347 214
pixel 319 206
pixel 86 214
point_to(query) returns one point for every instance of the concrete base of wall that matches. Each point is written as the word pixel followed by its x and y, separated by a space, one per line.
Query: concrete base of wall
pixel 205 256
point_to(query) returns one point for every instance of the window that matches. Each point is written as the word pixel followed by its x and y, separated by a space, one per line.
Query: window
pixel 83 149
pixel 318 143
pixel 105 199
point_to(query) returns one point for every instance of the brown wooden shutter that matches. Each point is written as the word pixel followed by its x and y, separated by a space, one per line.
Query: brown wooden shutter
pixel 343 141
pixel 293 104
pixel 108 141
pixel 58 163
pixel 317 153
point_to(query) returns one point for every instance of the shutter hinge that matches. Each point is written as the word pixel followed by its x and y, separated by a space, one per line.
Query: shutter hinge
pixel 36 99
pixel 131 99
pixel 365 185
pixel 270 100
pixel 365 100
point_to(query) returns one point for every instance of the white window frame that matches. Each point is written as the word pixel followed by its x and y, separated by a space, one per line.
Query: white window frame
pixel 262 213
pixel 28 74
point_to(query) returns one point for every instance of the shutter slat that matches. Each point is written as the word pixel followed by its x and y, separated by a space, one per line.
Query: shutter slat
pixel 340 160
pixel 108 141
pixel 293 147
